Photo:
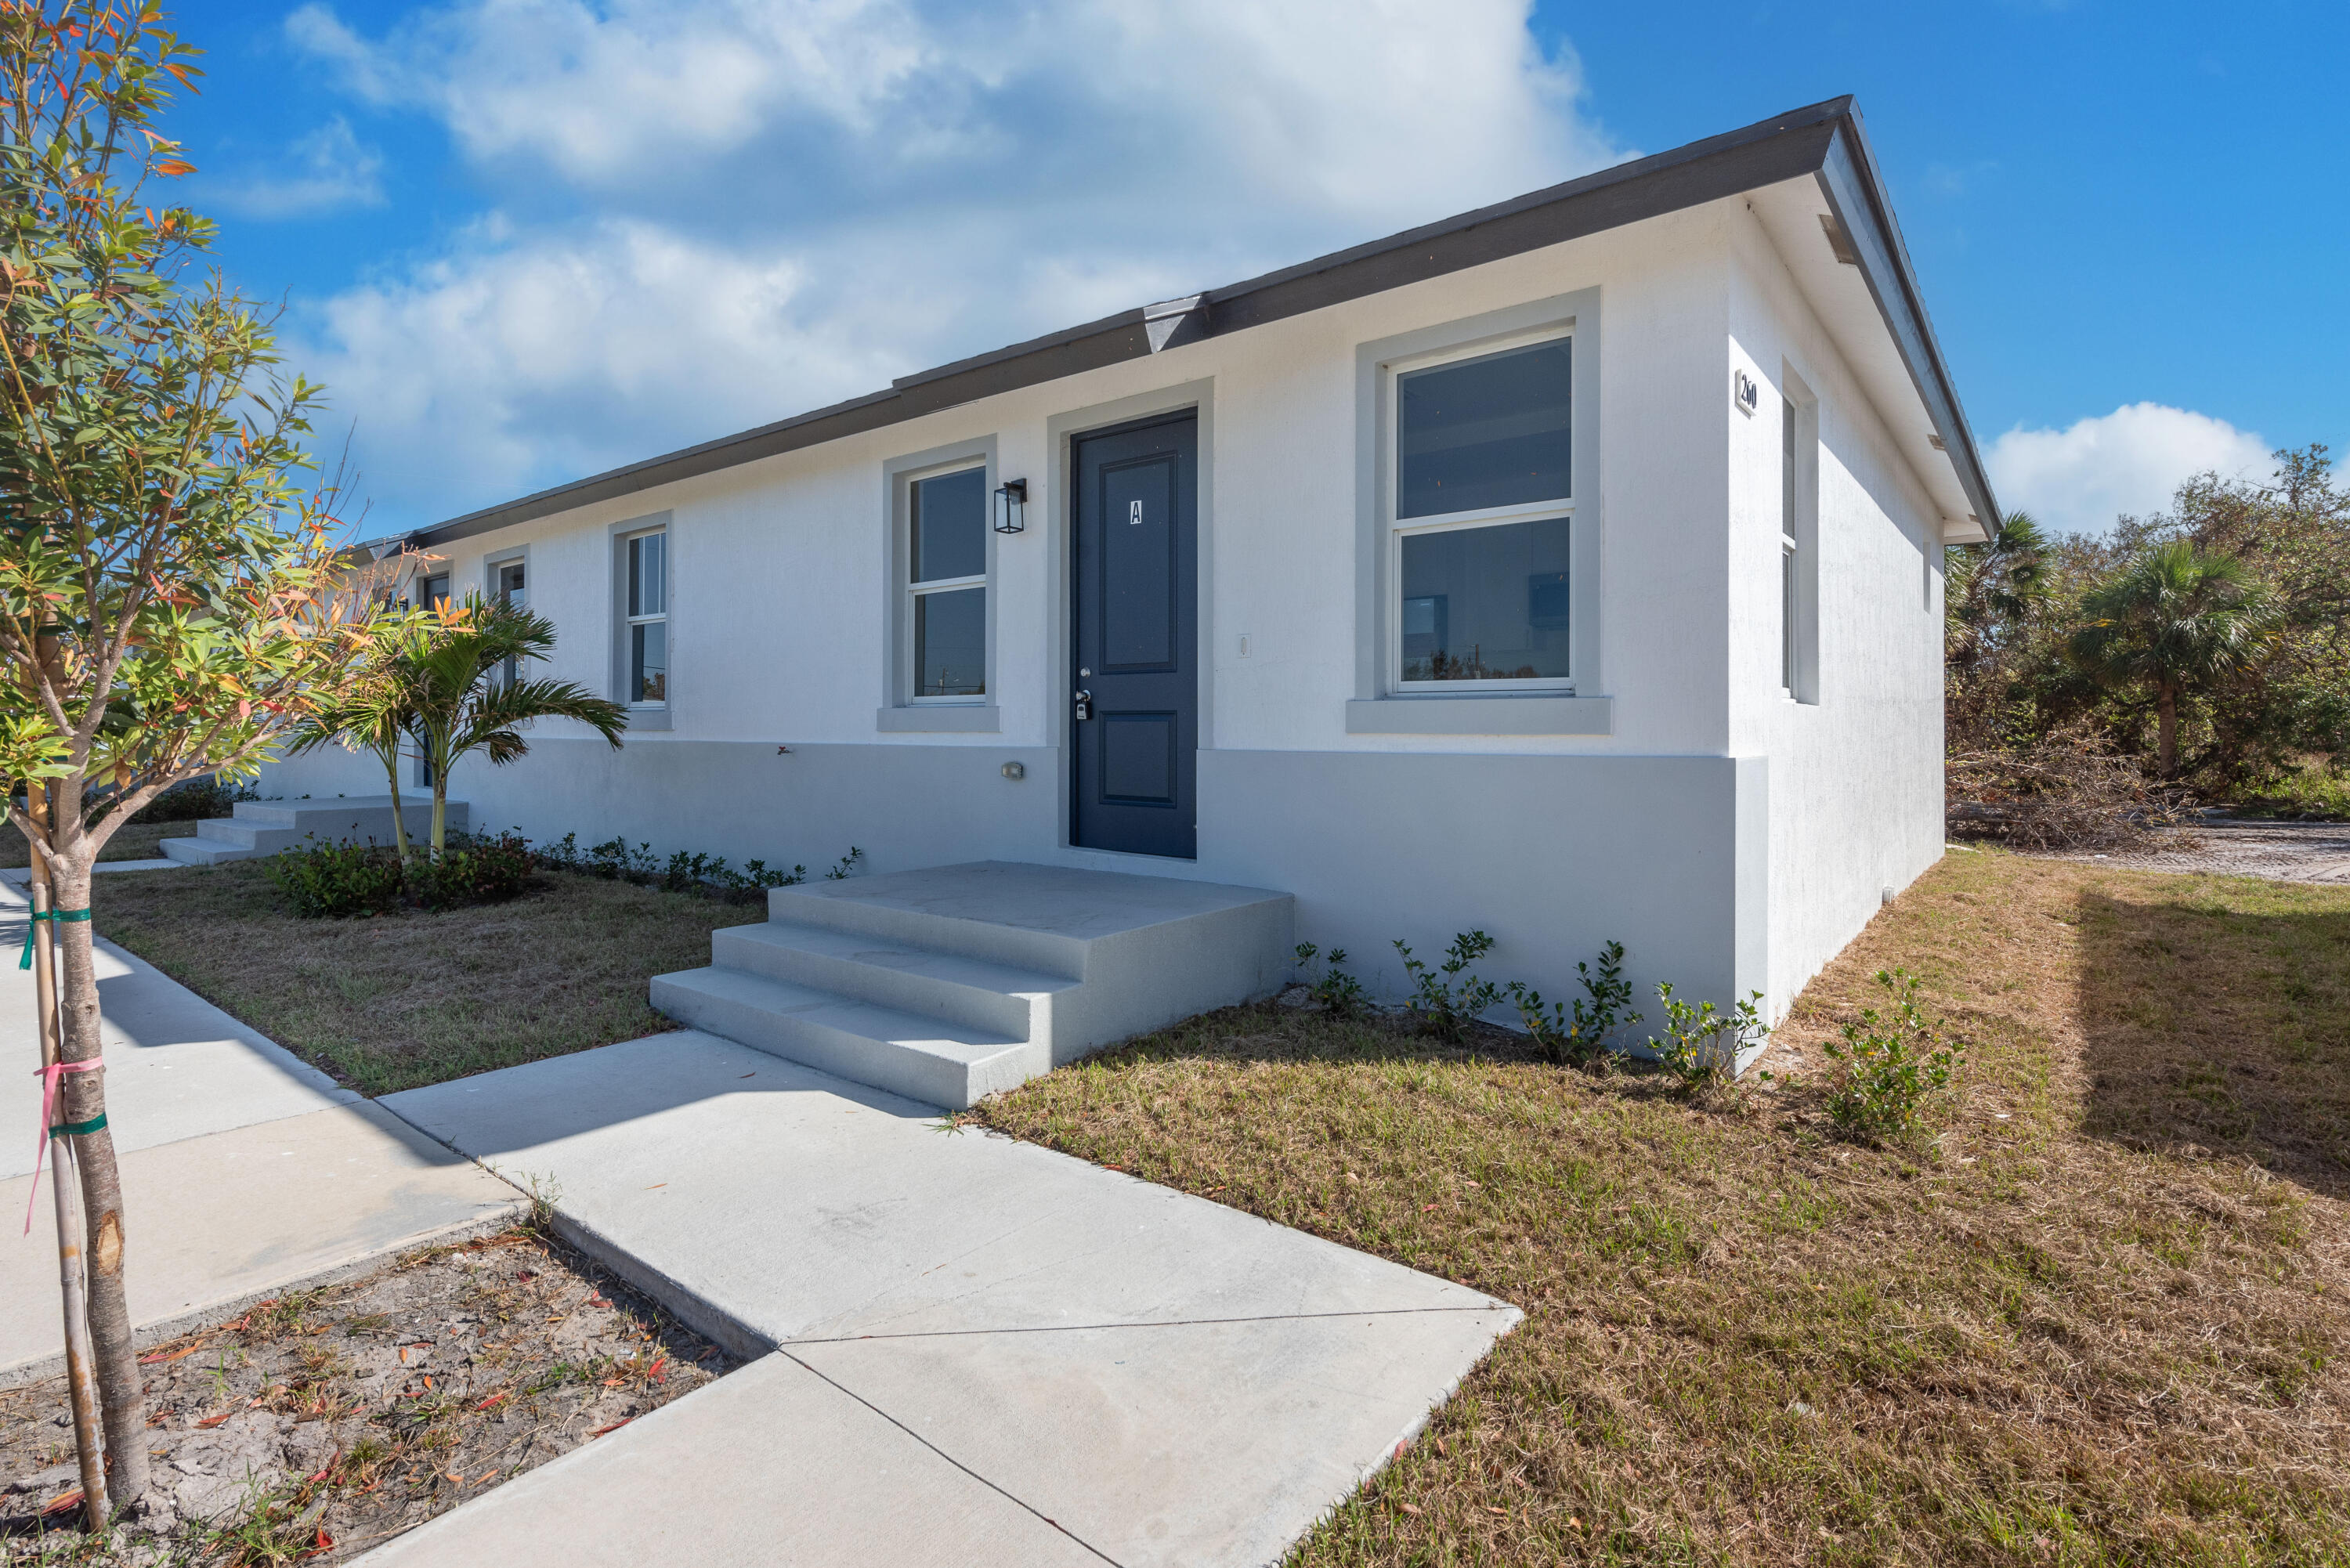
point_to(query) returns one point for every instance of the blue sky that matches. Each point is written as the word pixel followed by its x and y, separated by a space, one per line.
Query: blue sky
pixel 523 240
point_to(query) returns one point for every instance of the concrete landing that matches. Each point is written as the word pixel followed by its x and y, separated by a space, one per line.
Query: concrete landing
pixel 260 827
pixel 245 1171
pixel 1161 1379
pixel 951 983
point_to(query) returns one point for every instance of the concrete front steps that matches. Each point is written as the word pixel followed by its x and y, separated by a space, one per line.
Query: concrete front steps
pixel 266 826
pixel 949 984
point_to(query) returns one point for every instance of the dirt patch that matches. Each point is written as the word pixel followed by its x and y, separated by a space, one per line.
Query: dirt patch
pixel 319 1424
pixel 2282 852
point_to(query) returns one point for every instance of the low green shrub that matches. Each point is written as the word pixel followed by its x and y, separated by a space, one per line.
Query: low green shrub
pixel 1702 1044
pixel 1889 1066
pixel 321 879
pixel 324 878
pixel 617 860
pixel 1447 999
pixel 486 868
pixel 1339 993
pixel 1581 1033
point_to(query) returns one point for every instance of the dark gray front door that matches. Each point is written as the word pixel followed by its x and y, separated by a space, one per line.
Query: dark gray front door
pixel 1135 686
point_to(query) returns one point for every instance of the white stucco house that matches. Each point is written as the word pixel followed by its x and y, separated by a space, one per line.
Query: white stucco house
pixel 1570 569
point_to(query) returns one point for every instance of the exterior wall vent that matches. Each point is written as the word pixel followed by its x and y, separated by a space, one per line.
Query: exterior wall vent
pixel 1838 241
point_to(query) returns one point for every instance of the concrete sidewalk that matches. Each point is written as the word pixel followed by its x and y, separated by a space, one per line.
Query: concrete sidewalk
pixel 983 1351
pixel 245 1171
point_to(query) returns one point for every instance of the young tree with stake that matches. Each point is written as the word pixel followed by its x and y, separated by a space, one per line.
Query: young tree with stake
pixel 170 602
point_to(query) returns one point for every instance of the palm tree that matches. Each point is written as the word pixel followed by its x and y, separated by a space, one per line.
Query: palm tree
pixel 457 702
pixel 2177 619
pixel 372 710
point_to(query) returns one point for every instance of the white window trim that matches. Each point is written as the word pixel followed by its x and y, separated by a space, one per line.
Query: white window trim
pixel 910 593
pixel 1800 536
pixel 643 715
pixel 1376 708
pixel 493 567
pixel 900 711
pixel 1790 617
pixel 1398 529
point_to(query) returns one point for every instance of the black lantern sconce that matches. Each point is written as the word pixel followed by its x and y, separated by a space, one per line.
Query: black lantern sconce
pixel 1012 506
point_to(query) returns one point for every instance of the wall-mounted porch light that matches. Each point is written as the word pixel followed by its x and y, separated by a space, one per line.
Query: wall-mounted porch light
pixel 1012 506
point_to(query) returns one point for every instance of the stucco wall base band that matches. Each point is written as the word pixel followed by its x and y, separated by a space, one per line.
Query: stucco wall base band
pixel 1551 855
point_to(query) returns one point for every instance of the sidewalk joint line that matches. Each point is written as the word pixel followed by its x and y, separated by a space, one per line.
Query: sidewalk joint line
pixel 950 1458
pixel 1171 1322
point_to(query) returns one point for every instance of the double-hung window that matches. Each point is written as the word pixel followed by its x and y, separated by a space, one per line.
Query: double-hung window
pixel 1799 541
pixel 508 587
pixel 1790 501
pixel 647 657
pixel 1481 516
pixel 946 586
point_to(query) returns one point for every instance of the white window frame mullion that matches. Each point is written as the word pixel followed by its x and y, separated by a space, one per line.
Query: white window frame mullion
pixel 1397 529
pixel 631 622
pixel 911 592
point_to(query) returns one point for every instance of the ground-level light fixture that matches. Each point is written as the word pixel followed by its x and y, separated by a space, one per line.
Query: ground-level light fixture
pixel 1012 506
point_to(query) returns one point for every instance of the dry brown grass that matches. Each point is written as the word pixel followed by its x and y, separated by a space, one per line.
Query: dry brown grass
pixel 391 1002
pixel 2099 1317
pixel 131 841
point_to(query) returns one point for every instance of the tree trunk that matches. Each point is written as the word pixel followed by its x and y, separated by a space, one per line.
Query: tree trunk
pixel 120 1394
pixel 398 827
pixel 440 810
pixel 81 1386
pixel 2166 730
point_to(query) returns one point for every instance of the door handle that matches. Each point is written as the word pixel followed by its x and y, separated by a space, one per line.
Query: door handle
pixel 1085 705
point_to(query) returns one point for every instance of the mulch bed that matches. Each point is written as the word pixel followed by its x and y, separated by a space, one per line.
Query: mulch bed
pixel 319 1424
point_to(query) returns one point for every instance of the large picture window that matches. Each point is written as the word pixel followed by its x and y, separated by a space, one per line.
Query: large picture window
pixel 946 559
pixel 1481 520
pixel 648 619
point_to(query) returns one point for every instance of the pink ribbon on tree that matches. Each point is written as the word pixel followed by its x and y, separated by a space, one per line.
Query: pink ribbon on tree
pixel 51 1078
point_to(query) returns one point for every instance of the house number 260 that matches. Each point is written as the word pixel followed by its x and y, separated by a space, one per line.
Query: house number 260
pixel 1134 515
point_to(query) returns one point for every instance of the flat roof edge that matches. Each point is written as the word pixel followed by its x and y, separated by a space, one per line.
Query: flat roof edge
pixel 1785 146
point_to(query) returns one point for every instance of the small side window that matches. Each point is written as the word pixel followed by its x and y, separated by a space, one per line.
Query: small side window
pixel 1799 541
pixel 646 659
pixel 946 587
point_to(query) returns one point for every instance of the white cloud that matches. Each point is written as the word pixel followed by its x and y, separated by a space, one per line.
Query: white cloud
pixel 2128 462
pixel 716 212
pixel 332 170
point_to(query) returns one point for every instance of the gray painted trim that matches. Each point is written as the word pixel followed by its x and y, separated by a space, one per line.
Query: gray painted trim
pixel 897 666
pixel 1577 313
pixel 1061 431
pixel 641 719
pixel 1749 938
pixel 1785 147
pixel 492 560
pixel 1848 177
pixel 940 718
pixel 1482 715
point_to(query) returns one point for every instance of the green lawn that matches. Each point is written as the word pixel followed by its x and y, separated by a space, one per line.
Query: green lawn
pixel 2099 1317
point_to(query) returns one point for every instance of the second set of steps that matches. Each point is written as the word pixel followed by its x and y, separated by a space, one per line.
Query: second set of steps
pixel 259 828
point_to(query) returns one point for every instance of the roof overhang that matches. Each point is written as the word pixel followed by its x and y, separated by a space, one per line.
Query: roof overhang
pixel 1823 142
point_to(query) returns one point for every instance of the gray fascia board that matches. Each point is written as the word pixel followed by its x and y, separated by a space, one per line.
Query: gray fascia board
pixel 1848 179
pixel 1788 146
